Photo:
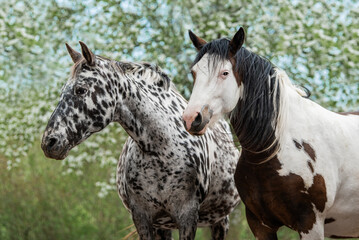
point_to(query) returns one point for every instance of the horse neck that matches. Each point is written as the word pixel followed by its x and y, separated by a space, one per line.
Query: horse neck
pixel 142 110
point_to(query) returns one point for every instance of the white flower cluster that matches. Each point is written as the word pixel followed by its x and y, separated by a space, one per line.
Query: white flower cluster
pixel 106 187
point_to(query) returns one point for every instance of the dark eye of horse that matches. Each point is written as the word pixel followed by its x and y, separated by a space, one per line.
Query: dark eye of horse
pixel 225 73
pixel 80 91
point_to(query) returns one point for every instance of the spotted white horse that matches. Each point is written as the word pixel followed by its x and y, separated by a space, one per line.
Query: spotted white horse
pixel 299 164
pixel 167 178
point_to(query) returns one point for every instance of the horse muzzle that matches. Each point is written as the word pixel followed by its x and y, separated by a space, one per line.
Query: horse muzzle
pixel 54 146
pixel 197 124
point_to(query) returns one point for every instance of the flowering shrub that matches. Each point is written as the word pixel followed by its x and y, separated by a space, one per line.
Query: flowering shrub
pixel 316 42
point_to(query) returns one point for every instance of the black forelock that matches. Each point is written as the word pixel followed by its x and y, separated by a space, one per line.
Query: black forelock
pixel 218 49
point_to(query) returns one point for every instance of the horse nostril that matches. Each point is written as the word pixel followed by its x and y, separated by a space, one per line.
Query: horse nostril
pixel 51 142
pixel 197 121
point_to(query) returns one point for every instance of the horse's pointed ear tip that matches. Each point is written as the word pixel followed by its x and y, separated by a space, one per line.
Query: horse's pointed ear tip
pixel 83 45
pixel 241 30
pixel 241 34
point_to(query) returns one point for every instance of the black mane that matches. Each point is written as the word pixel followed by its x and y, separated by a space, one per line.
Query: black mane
pixel 137 67
pixel 255 116
pixel 258 107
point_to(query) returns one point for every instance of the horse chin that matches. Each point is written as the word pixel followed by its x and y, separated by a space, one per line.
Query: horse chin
pixel 58 155
pixel 61 157
pixel 199 132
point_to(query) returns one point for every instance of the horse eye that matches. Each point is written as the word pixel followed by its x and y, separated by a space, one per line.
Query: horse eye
pixel 80 91
pixel 225 73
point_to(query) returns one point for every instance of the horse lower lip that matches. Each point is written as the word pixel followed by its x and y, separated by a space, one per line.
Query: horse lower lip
pixel 58 155
pixel 198 131
pixel 197 134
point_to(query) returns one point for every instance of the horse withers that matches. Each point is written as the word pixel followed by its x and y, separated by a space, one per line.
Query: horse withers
pixel 167 178
pixel 299 164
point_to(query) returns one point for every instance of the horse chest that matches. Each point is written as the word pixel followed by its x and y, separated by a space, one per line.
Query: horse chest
pixel 160 184
pixel 160 180
pixel 280 199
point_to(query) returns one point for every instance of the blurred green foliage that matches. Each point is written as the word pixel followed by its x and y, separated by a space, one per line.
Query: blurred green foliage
pixel 38 201
pixel 315 42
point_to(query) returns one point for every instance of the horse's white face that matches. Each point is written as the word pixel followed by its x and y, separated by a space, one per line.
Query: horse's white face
pixel 216 87
pixel 215 91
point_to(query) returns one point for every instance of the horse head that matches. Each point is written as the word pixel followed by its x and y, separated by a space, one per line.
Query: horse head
pixel 86 104
pixel 217 85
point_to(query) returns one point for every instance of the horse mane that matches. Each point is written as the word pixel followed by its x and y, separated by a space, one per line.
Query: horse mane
pixel 144 68
pixel 256 115
pixel 266 87
pixel 141 68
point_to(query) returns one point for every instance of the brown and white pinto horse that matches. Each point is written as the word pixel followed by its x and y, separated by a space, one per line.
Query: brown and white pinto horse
pixel 299 165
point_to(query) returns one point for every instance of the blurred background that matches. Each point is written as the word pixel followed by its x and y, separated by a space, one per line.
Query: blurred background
pixel 315 42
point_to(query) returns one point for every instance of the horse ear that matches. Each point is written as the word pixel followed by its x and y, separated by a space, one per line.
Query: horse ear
pixel 88 55
pixel 237 41
pixel 75 56
pixel 197 41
